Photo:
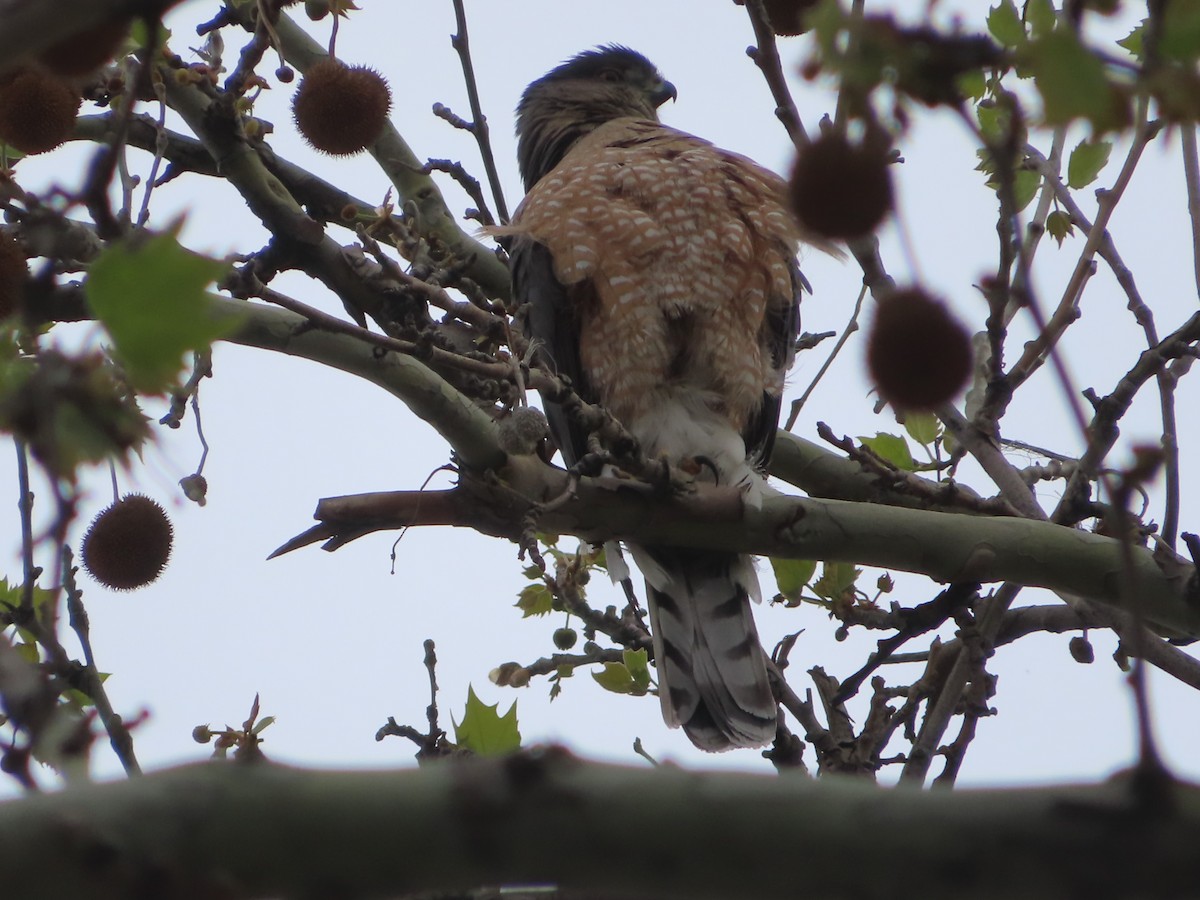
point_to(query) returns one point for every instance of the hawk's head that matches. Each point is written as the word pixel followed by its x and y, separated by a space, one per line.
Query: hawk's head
pixel 595 87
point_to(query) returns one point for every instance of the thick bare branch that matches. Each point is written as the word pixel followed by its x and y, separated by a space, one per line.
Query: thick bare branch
pixel 260 830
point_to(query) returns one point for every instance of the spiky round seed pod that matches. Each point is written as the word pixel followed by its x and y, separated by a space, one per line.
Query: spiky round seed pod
pixel 37 109
pixel 341 109
pixel 128 544
pixel 13 272
pixel 786 17
pixel 841 190
pixel 918 355
pixel 85 51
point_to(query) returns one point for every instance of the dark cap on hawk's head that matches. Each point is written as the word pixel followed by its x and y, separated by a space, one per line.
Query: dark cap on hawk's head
pixel 594 87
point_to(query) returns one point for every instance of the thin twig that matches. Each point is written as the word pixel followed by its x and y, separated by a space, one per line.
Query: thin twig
pixel 851 328
pixel 479 127
pixel 1191 174
pixel 1052 328
pixel 30 572
pixel 766 57
pixel 118 734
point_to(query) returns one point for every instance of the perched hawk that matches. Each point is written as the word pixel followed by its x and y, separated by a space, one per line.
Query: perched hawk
pixel 660 276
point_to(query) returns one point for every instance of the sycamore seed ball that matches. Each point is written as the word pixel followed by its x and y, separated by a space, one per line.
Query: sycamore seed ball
pixel 341 109
pixel 918 354
pixel 786 17
pixel 128 544
pixel 841 190
pixel 565 638
pixel 37 109
pixel 316 9
pixel 85 51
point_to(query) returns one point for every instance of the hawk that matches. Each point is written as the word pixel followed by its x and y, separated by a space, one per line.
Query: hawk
pixel 660 276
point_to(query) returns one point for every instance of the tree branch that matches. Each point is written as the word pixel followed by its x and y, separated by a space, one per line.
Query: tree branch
pixel 1033 553
pixel 260 830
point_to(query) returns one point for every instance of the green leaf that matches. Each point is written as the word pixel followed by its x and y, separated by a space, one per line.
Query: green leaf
pixel 1133 41
pixel 615 677
pixel 924 428
pixel 10 596
pixel 139 35
pixel 1058 225
pixel 484 730
pixel 27 652
pixel 1086 162
pixel 892 448
pixel 972 84
pixel 1004 23
pixel 1073 84
pixel 1025 187
pixel 150 295
pixel 1040 16
pixel 10 154
pixel 1180 39
pixel 791 575
pixel 637 663
pixel 836 580
pixel 992 121
pixel 534 600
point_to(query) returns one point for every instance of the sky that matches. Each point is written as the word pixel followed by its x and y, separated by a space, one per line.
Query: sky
pixel 333 642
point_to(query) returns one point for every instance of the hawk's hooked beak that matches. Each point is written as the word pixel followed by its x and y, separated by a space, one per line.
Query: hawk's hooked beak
pixel 663 91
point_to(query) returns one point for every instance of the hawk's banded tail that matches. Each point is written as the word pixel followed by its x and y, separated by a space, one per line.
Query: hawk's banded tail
pixel 712 671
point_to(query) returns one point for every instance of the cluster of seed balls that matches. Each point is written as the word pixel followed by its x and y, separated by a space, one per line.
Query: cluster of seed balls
pixel 918 355
pixel 39 101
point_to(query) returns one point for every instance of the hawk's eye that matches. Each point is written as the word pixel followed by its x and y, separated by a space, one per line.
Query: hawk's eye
pixel 611 75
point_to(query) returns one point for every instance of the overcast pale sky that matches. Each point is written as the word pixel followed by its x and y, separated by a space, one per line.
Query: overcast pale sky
pixel 333 642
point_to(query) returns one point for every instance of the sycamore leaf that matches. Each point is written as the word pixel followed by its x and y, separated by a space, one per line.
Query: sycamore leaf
pixel 1180 38
pixel 1086 162
pixel 139 35
pixel 10 596
pixel 1073 83
pixel 892 448
pixel 637 662
pixel 27 652
pixel 1025 187
pixel 1133 41
pixel 972 84
pixel 619 678
pixel 484 731
pixel 1041 17
pixel 1058 225
pixel 836 580
pixel 150 295
pixel 534 600
pixel 1004 23
pixel 924 428
pixel 992 121
pixel 791 575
